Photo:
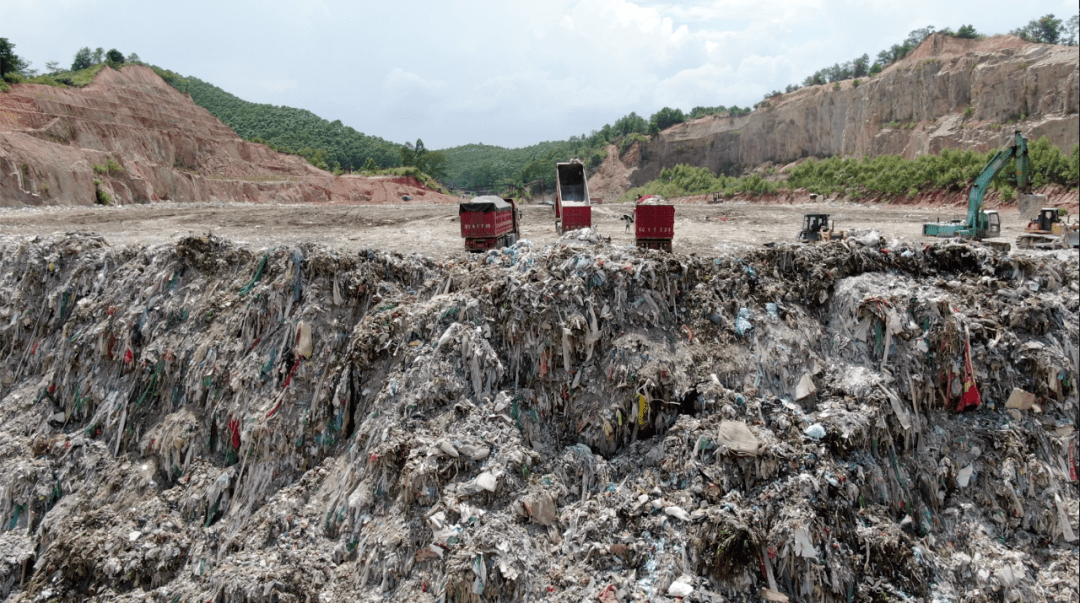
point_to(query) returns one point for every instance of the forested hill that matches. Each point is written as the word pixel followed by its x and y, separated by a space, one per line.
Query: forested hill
pixel 487 167
pixel 326 144
pixel 331 145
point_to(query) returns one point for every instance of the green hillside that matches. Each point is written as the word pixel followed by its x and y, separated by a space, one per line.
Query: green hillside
pixel 324 143
pixel 331 145
pixel 486 167
pixel 884 177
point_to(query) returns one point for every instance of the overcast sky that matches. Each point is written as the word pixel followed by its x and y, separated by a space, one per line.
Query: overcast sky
pixel 508 72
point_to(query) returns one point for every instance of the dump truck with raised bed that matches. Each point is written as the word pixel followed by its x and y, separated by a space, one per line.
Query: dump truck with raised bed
pixel 489 222
pixel 654 223
pixel 573 208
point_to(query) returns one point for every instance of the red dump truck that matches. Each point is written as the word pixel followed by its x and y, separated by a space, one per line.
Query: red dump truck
pixel 572 207
pixel 654 223
pixel 488 222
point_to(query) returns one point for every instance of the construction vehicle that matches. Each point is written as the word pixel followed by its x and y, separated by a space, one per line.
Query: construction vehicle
pixel 654 223
pixel 980 224
pixel 1049 230
pixel 489 222
pixel 816 227
pixel 572 204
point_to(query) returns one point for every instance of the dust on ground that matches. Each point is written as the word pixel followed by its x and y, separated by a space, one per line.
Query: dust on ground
pixel 432 229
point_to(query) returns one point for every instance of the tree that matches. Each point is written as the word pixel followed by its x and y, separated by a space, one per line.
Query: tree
pixel 82 59
pixel 435 164
pixel 114 56
pixel 839 72
pixel 415 156
pixel 1045 30
pixel 664 119
pixel 628 124
pixel 817 79
pixel 606 133
pixel 861 66
pixel 11 63
pixel 52 66
pixel 916 37
pixel 888 56
pixel 133 58
pixel 407 155
pixel 99 54
pixel 697 112
pixel 967 31
pixel 420 155
pixel 1072 26
pixel 1049 29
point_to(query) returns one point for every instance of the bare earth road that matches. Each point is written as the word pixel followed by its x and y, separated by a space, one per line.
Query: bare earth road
pixel 432 229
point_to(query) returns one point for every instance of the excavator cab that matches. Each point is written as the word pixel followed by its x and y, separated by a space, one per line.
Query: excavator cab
pixel 993 223
pixel 815 227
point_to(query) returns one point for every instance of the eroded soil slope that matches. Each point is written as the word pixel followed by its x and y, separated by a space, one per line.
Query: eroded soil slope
pixel 56 146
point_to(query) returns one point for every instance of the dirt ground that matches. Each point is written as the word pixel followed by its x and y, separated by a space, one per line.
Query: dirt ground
pixel 432 229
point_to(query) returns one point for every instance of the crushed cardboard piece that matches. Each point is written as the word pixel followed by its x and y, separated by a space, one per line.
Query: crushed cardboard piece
pixel 1020 399
pixel 737 438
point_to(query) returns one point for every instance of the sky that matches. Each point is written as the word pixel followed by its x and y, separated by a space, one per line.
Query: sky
pixel 507 73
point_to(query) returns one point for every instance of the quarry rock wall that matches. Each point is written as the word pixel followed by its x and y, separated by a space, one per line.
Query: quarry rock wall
pixel 948 93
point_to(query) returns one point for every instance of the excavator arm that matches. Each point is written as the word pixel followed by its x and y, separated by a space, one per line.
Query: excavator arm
pixel 976 224
pixel 1015 149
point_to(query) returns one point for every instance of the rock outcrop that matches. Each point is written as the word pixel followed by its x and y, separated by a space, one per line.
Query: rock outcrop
pixel 949 93
pixel 136 139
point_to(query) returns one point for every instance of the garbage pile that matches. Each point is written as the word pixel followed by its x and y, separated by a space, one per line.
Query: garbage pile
pixel 576 422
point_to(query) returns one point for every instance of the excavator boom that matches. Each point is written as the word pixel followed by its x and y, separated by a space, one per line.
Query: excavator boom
pixel 978 223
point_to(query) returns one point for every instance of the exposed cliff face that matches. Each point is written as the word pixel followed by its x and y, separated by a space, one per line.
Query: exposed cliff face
pixel 918 105
pixel 163 145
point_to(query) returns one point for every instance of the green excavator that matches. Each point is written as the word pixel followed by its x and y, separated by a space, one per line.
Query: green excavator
pixel 981 224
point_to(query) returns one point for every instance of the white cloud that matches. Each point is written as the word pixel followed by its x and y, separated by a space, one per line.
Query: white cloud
pixel 756 10
pixel 400 82
pixel 509 73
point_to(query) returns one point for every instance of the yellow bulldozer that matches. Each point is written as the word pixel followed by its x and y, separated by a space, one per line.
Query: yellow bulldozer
pixel 818 227
pixel 1049 228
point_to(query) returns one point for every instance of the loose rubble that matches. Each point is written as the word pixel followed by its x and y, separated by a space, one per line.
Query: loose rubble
pixel 857 421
